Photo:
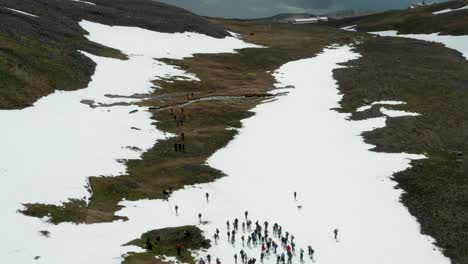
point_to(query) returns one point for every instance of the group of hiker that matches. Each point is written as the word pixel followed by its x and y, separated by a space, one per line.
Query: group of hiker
pixel 279 243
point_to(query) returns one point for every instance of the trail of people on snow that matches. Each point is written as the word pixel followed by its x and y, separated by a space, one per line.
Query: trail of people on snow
pixel 346 209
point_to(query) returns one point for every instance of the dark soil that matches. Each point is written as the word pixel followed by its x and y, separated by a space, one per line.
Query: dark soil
pixel 40 54
pixel 164 243
pixel 433 80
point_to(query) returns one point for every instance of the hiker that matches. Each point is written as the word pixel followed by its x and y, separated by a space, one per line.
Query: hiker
pixel 207 196
pixel 311 252
pixel 201 261
pixel 246 213
pixel 289 257
pixel 293 246
pixel 248 240
pixel 199 217
pixel 215 236
pixel 229 235
pixel 235 258
pixel 301 256
pixel 278 258
pixel 177 209
pixel 275 246
pixel 179 248
pixel 243 226
pixel 283 257
pixel 336 234
pixel 243 239
pixel 228 224
pixel 292 238
pixel 208 257
pixel 218 261
pixel 295 196
pixel 262 255
pixel 266 225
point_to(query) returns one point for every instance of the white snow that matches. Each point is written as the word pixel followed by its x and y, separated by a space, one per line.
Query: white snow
pixel 396 113
pixel 48 150
pixel 349 28
pixel 84 2
pixel 459 43
pixel 386 102
pixel 21 12
pixel 298 144
pixel 449 10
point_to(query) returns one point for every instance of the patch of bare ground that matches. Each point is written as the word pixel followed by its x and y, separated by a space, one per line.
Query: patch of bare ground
pixel 164 242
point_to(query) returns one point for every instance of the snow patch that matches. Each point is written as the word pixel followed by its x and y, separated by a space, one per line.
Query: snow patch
pixel 449 10
pixel 367 107
pixel 21 12
pixel 349 28
pixel 396 113
pixel 84 2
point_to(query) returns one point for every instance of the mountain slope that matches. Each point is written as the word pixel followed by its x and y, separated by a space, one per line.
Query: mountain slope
pixel 39 51
pixel 419 20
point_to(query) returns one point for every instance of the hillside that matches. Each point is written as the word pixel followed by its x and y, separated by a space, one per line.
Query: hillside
pixel 39 51
pixel 419 20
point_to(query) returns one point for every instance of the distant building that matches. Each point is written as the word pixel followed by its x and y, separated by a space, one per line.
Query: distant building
pixel 309 20
pixel 423 3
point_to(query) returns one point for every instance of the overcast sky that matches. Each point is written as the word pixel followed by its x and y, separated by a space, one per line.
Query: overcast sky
pixel 263 8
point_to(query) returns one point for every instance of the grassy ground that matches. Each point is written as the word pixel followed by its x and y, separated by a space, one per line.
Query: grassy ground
pixel 433 81
pixel 164 243
pixel 418 20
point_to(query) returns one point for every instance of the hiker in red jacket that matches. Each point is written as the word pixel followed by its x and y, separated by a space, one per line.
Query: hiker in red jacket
pixel 218 261
pixel 179 248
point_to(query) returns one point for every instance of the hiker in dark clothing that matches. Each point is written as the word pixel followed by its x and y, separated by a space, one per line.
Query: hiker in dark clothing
pixel 177 209
pixel 336 234
pixel 301 256
pixel 289 257
pixel 207 196
pixel 199 217
pixel 311 252
pixel 295 196
pixel 262 255
pixel 235 258
pixel 229 235
pixel 149 246
pixel 228 224
pixel 278 259
pixel 243 226
pixel 246 213
pixel 208 257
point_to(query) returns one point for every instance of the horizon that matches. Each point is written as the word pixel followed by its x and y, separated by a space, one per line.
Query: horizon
pixel 245 9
